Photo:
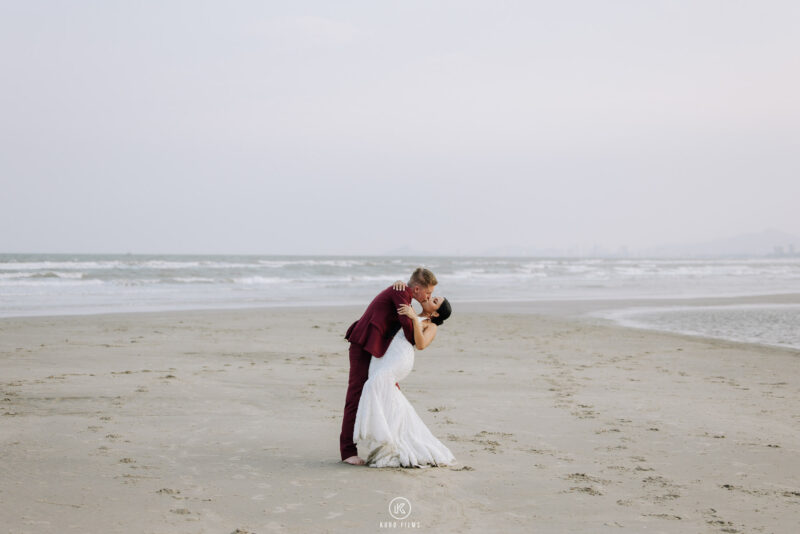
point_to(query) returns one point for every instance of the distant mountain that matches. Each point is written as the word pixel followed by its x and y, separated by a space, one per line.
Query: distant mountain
pixel 770 242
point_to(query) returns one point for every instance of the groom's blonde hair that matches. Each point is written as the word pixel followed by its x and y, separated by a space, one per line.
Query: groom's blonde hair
pixel 422 277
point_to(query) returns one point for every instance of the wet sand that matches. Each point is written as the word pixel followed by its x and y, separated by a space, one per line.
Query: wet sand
pixel 214 421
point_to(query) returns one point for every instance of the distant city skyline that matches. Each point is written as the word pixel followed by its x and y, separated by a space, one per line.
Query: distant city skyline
pixel 770 242
pixel 318 128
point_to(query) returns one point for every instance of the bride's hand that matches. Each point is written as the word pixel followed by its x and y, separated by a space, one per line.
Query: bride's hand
pixel 407 310
pixel 399 286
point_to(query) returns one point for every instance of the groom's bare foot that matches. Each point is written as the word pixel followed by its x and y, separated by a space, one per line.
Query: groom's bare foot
pixel 354 460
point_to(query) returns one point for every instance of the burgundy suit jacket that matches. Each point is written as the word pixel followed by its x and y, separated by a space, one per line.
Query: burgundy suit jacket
pixel 380 322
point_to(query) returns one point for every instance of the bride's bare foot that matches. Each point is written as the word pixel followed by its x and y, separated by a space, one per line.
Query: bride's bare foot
pixel 354 460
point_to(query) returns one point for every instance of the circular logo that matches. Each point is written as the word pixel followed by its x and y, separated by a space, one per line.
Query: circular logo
pixel 400 508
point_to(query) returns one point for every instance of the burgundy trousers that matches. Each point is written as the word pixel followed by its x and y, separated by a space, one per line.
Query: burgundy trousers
pixel 359 372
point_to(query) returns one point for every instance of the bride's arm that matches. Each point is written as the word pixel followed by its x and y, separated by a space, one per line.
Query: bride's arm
pixel 428 333
pixel 422 336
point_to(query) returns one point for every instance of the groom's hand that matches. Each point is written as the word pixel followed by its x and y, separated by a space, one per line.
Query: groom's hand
pixel 399 286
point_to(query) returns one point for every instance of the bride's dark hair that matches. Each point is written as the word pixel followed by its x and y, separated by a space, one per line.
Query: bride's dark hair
pixel 444 312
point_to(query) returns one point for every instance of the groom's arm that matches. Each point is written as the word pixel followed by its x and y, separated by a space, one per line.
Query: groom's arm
pixel 406 323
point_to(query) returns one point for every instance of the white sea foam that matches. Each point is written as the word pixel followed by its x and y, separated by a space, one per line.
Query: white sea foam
pixel 260 280
pixel 56 265
pixel 313 263
pixel 55 283
pixel 77 275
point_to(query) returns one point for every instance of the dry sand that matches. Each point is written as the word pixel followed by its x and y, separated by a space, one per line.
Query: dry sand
pixel 222 420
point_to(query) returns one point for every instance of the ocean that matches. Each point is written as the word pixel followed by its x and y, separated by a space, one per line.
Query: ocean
pixel 64 284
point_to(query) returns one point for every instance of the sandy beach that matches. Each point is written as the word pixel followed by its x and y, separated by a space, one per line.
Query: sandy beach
pixel 228 421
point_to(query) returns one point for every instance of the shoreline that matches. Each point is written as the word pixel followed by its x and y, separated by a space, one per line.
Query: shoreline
pixel 525 306
pixel 600 311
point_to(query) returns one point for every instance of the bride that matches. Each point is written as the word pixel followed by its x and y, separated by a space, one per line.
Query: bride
pixel 386 423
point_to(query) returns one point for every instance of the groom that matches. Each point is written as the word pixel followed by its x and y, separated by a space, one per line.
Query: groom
pixel 371 336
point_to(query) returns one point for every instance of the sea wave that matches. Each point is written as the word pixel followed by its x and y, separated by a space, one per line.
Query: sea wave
pixel 44 274
pixel 56 265
pixel 50 282
pixel 30 283
pixel 260 280
pixel 279 264
pixel 122 264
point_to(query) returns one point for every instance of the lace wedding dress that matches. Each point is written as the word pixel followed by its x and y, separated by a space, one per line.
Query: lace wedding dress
pixel 386 423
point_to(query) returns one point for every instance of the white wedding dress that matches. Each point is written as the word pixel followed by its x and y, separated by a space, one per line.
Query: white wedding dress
pixel 386 423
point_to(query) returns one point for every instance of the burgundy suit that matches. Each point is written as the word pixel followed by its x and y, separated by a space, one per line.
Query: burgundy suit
pixel 370 336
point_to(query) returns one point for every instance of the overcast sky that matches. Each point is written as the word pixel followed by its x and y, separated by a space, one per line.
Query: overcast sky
pixel 363 127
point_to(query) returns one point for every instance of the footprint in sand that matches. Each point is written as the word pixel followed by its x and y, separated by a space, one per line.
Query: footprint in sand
pixel 463 468
pixel 589 490
pixel 481 438
pixel 588 483
pixel 656 480
pixel 660 489
pixel 713 519
pixel 585 412
pixel 664 516
pixel 583 477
